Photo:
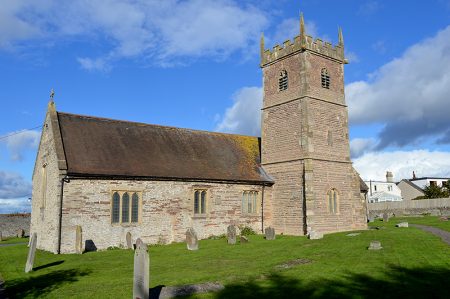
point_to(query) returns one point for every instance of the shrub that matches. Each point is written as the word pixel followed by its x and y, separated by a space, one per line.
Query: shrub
pixel 246 231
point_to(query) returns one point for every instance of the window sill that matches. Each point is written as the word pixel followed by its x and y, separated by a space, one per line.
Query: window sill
pixel 199 216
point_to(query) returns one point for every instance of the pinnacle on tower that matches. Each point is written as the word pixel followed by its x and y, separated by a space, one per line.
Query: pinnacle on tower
pixel 51 103
pixel 302 25
pixel 341 38
pixel 261 45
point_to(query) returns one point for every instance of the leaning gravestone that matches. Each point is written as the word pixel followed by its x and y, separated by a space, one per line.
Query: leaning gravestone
pixel 402 224
pixel 78 240
pixel 129 243
pixel 231 234
pixel 270 233
pixel 375 245
pixel 20 233
pixel 244 239
pixel 141 273
pixel 191 239
pixel 385 217
pixel 31 254
pixel 313 235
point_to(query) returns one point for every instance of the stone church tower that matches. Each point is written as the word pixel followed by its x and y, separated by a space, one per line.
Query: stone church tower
pixel 305 142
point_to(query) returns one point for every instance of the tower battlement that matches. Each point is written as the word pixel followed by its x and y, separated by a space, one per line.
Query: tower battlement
pixel 303 42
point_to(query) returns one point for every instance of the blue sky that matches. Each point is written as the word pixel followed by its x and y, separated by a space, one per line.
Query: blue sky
pixel 194 64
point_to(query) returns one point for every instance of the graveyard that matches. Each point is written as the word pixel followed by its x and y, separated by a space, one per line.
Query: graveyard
pixel 411 263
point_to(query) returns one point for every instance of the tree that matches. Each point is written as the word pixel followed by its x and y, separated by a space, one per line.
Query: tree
pixel 434 191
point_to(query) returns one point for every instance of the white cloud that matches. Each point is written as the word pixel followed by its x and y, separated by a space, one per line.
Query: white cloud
pixel 13 185
pixel 290 28
pixel 360 146
pixel 373 166
pixel 244 117
pixel 408 94
pixel 160 31
pixel 18 205
pixel 20 142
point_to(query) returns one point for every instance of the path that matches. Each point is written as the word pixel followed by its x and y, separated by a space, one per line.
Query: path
pixel 445 235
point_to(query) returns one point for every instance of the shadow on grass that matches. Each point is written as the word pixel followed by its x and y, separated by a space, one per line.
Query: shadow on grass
pixel 36 286
pixel 48 265
pixel 397 282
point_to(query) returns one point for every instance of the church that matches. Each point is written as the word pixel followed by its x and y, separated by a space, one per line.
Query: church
pixel 104 180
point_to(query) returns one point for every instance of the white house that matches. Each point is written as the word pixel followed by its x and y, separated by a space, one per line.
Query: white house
pixel 429 181
pixel 380 191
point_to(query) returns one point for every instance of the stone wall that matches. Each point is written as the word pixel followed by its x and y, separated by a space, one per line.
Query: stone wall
pixel 434 206
pixel 166 211
pixel 11 223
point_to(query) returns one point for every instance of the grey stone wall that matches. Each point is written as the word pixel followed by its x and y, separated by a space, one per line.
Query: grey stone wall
pixel 434 206
pixel 11 223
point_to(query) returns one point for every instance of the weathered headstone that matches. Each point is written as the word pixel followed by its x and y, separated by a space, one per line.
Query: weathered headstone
pixel 191 239
pixel 231 234
pixel 31 254
pixel 244 239
pixel 402 224
pixel 313 235
pixel 386 217
pixel 20 233
pixel 129 243
pixel 269 233
pixel 443 218
pixel 78 240
pixel 375 245
pixel 141 275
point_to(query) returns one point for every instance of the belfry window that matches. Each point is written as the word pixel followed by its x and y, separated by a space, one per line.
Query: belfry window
pixel 124 210
pixel 200 202
pixel 283 81
pixel 332 201
pixel 325 78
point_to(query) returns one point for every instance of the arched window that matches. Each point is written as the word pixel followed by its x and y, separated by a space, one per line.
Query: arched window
pixel 200 201
pixel 330 138
pixel 197 202
pixel 135 207
pixel 43 185
pixel 125 207
pixel 283 80
pixel 203 203
pixel 325 78
pixel 332 198
pixel 249 202
pixel 115 215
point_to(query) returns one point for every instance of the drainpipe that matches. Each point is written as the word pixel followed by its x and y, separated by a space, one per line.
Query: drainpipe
pixel 65 179
pixel 262 210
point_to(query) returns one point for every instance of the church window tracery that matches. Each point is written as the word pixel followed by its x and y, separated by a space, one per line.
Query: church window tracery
pixel 325 78
pixel 249 202
pixel 332 198
pixel 283 80
pixel 200 202
pixel 124 210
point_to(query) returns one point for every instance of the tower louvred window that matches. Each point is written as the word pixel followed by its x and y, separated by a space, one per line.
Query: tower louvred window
pixel 283 80
pixel 325 78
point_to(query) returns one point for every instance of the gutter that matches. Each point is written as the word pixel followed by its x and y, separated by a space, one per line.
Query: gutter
pixel 65 179
pixel 262 209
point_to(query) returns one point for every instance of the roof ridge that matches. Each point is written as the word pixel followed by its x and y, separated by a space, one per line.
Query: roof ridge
pixel 151 125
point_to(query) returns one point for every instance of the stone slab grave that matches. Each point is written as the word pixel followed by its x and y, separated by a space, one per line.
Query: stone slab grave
pixel 402 224
pixel 78 240
pixel 353 234
pixel 163 292
pixel 141 273
pixel 386 217
pixel 191 239
pixel 375 245
pixel 129 242
pixel 231 234
pixel 31 254
pixel 244 239
pixel 269 233
pixel 313 235
pixel 443 218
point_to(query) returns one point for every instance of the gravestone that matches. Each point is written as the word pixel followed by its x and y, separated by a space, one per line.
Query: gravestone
pixel 129 243
pixel 443 218
pixel 313 235
pixel 402 224
pixel 20 233
pixel 375 245
pixel 78 240
pixel 191 239
pixel 352 234
pixel 244 239
pixel 386 217
pixel 89 245
pixel 370 219
pixel 269 233
pixel 231 234
pixel 141 274
pixel 1 238
pixel 31 254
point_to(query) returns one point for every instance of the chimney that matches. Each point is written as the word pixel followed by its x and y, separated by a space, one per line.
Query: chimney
pixel 389 177
pixel 414 175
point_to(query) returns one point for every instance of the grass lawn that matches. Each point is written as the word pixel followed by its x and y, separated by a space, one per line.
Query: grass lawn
pixel 12 240
pixel 412 264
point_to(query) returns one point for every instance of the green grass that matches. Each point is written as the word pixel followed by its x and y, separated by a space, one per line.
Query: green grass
pixel 12 240
pixel 412 264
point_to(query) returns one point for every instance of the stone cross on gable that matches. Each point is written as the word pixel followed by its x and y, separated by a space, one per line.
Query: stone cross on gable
pixel 52 95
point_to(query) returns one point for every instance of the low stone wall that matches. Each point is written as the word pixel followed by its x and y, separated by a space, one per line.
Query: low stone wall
pixel 11 223
pixel 434 206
